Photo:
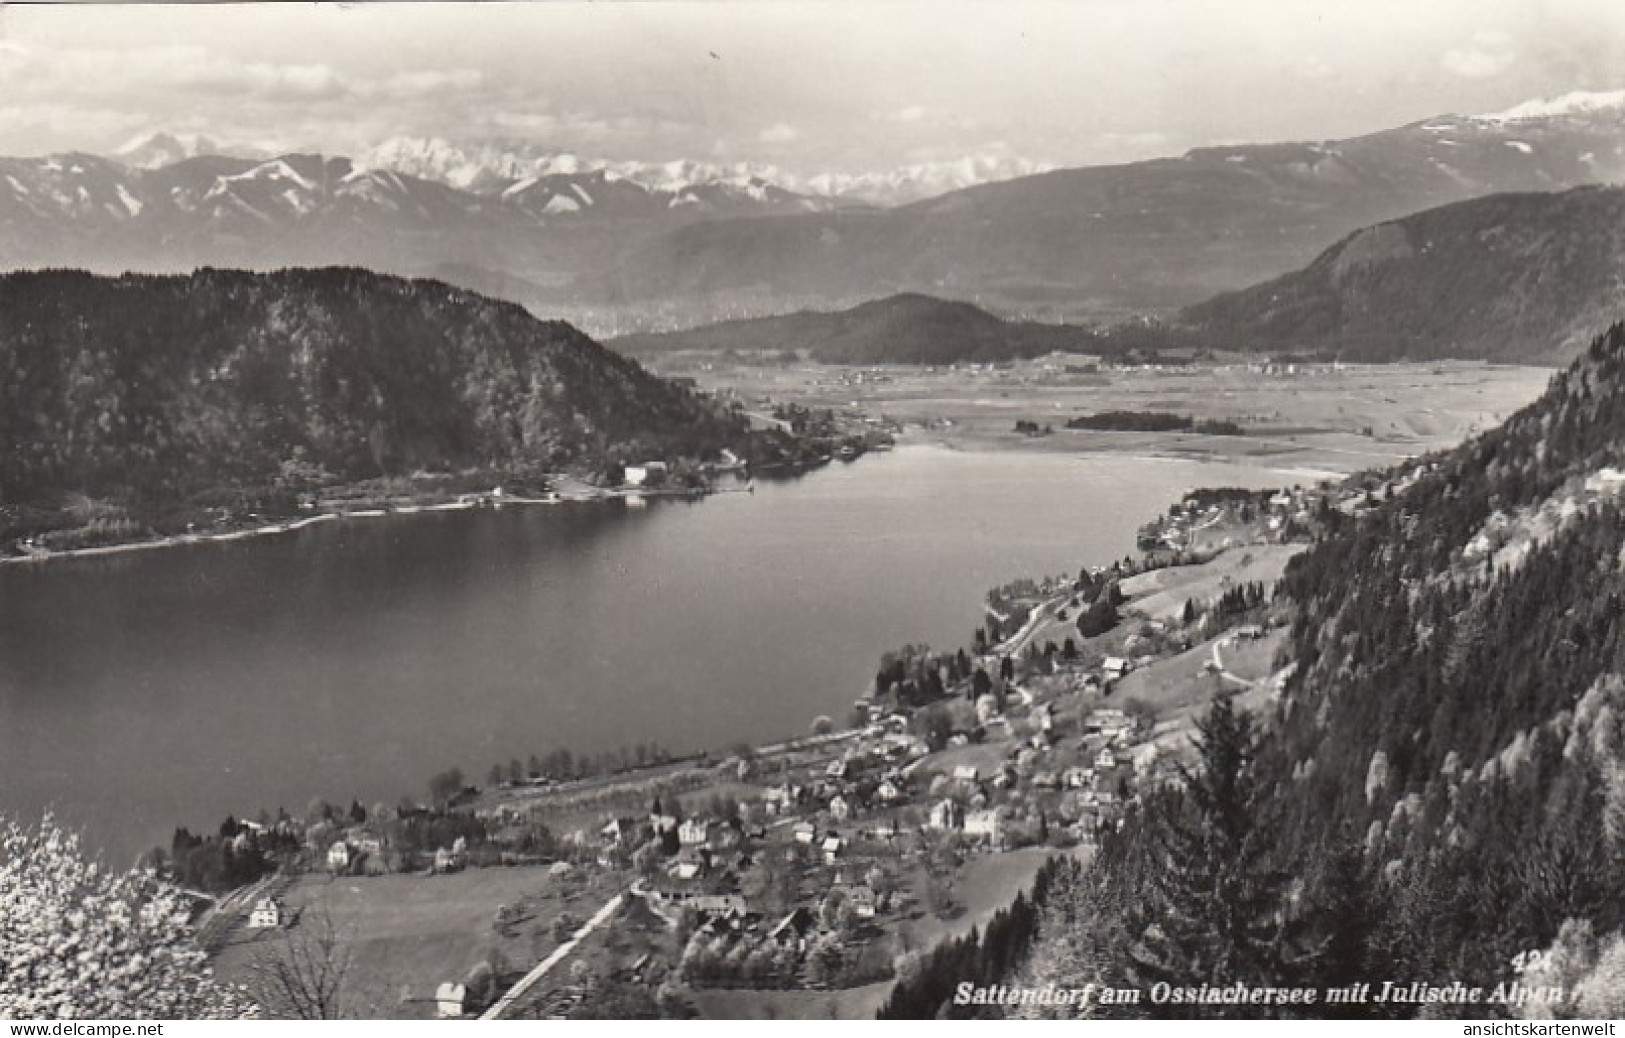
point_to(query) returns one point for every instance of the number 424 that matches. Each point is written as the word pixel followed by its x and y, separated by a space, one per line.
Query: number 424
pixel 1536 959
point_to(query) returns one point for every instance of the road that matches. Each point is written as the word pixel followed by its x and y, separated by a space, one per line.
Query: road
pixel 560 953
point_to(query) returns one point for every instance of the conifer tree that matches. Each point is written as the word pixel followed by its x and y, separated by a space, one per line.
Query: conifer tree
pixel 1215 912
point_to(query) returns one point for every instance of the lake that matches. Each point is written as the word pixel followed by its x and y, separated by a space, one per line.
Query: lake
pixel 355 659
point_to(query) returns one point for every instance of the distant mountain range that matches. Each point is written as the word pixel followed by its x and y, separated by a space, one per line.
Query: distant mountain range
pixel 1144 237
pixel 493 167
pixel 82 210
pixel 1516 277
pixel 629 247
pixel 1526 278
pixel 901 329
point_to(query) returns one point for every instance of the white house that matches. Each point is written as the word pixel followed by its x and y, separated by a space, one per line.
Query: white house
pixel 267 915
pixel 832 848
pixel 662 824
pixel 449 999
pixel 684 868
pixel 946 814
pixel 776 799
pixel 804 832
pixel 1116 666
pixel 966 773
pixel 693 831
pixel 338 856
pixel 640 475
pixel 865 903
pixel 984 824
pixel 887 791
pixel 839 809
pixel 448 859
pixel 1105 760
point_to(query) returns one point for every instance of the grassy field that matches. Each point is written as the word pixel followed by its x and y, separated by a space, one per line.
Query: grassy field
pixel 1162 593
pixel 987 883
pixel 1180 687
pixel 406 934
pixel 985 757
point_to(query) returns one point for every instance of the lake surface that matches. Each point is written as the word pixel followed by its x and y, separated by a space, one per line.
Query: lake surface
pixel 355 659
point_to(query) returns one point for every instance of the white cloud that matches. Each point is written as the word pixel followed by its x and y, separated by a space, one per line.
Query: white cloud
pixel 427 84
pixel 910 114
pixel 1487 54
pixel 779 133
pixel 76 122
pixel 274 82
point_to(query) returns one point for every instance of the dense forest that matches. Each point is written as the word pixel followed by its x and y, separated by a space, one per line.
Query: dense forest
pixel 232 388
pixel 1438 794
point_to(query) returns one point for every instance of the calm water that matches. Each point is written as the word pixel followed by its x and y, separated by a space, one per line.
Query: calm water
pixel 355 659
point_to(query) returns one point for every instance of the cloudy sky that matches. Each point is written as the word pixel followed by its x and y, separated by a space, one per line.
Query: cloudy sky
pixel 808 86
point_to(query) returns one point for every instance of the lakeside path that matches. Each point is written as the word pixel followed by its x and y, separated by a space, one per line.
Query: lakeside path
pixel 562 952
pixel 577 494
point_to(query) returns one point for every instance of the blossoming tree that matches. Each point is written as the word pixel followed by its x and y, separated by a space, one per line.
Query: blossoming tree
pixel 80 941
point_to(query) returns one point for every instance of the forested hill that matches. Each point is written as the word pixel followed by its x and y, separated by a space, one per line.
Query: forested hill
pixel 1514 277
pixel 908 328
pixel 1440 789
pixel 149 390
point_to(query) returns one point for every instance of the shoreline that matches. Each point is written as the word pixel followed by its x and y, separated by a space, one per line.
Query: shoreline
pixel 583 493
pixel 293 525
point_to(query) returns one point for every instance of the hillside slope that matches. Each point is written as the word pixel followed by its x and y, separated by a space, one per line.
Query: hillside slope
pixel 1521 277
pixel 1438 794
pixel 149 390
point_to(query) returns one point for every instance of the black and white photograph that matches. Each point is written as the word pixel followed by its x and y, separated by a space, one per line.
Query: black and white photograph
pixel 744 510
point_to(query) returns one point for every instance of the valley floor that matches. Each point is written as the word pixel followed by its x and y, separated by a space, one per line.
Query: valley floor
pixel 1323 419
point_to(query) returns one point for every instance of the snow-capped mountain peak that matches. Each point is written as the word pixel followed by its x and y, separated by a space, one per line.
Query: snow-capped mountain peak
pixel 1576 103
pixel 506 169
pixel 156 150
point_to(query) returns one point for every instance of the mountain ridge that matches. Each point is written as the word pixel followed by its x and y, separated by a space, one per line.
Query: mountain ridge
pixel 147 394
pixel 1145 237
pixel 1512 277
pixel 905 328
pixel 1099 243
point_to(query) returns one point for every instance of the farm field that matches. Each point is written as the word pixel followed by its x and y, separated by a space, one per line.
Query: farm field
pixel 408 933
